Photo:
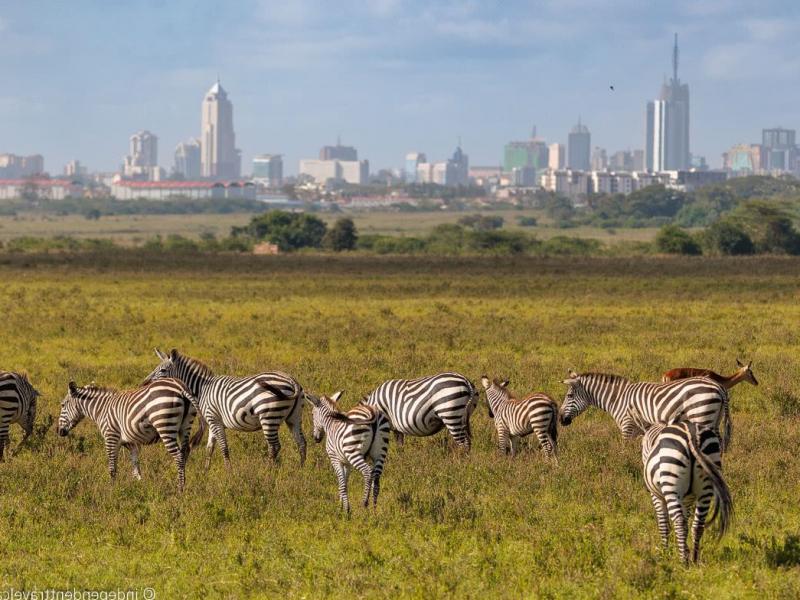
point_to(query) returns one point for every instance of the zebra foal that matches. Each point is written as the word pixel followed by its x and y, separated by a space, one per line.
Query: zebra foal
pixel 17 405
pixel 258 402
pixel 350 440
pixel 682 464
pixel 514 418
pixel 161 410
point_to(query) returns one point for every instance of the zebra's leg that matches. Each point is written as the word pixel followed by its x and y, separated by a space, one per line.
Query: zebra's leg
pixel 662 517
pixel 460 432
pixel 111 442
pixel 502 436
pixel 295 423
pixel 677 512
pixel 270 428
pixel 172 442
pixel 133 449
pixel 513 442
pixel 546 443
pixel 399 438
pixel 342 473
pixel 701 509
pixel 363 467
pixel 378 461
pixel 216 435
pixel 5 425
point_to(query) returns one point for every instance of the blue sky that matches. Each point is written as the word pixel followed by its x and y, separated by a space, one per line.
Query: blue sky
pixel 390 76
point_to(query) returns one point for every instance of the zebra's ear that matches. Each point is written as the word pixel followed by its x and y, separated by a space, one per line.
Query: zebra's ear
pixel 504 383
pixel 72 387
pixel 336 395
pixel 485 381
pixel 173 354
pixel 160 354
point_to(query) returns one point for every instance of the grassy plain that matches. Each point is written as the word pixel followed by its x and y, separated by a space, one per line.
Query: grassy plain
pixel 447 525
pixel 134 229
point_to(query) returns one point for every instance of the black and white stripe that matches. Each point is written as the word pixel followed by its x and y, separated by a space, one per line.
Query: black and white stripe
pixel 636 406
pixel 160 410
pixel 514 418
pixel 352 439
pixel 254 403
pixel 682 464
pixel 421 407
pixel 17 405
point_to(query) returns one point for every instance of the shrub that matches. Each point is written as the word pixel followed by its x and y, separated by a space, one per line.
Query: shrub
pixel 342 236
pixel 290 231
pixel 674 240
pixel 526 221
pixel 727 238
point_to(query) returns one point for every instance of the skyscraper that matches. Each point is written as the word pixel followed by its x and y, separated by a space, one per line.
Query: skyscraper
pixel 781 149
pixel 413 160
pixel 667 143
pixel 579 147
pixel 268 170
pixel 219 157
pixel 187 159
pixel 338 152
pixel 142 162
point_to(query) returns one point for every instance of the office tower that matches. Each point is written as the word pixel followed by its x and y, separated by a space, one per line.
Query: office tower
pixel 413 160
pixel 338 152
pixel 579 148
pixel 556 156
pixel 187 159
pixel 219 157
pixel 780 149
pixel 268 170
pixel 142 160
pixel 667 142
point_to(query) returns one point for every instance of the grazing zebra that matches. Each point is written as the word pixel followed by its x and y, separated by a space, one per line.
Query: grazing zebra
pixel 351 439
pixel 161 410
pixel 17 405
pixel 423 406
pixel 515 418
pixel 258 402
pixel 744 372
pixel 636 406
pixel 681 464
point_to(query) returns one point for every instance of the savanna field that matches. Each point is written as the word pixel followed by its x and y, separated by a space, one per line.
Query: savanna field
pixel 447 524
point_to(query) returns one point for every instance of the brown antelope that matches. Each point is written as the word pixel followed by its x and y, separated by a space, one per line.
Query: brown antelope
pixel 743 373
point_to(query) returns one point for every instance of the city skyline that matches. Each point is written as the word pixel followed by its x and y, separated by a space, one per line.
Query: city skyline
pixel 391 78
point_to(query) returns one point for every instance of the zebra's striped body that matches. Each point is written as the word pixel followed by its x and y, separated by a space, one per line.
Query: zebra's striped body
pixel 351 439
pixel 514 418
pixel 421 407
pixel 682 464
pixel 161 410
pixel 255 403
pixel 636 406
pixel 17 405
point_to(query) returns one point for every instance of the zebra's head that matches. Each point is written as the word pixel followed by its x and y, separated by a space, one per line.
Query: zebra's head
pixel 576 401
pixel 495 389
pixel 323 406
pixel 747 372
pixel 71 410
pixel 29 395
pixel 166 368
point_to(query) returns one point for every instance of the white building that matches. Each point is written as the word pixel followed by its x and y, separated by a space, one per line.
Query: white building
pixel 187 159
pixel 268 170
pixel 220 159
pixel 74 168
pixel 142 160
pixel 39 188
pixel 125 189
pixel 556 158
pixel 321 171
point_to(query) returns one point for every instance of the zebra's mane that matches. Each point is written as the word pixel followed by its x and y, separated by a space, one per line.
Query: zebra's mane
pixel 508 396
pixel 604 377
pixel 95 389
pixel 196 365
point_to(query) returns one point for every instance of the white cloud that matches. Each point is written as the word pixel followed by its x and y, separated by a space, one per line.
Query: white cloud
pixel 769 30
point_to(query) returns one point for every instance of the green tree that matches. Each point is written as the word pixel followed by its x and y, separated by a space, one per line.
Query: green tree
pixel 289 230
pixel 769 227
pixel 725 237
pixel 482 222
pixel 342 236
pixel 674 240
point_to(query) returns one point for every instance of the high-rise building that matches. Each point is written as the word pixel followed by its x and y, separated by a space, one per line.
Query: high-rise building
pixel 349 171
pixel 579 148
pixel 780 149
pixel 458 168
pixel 413 160
pixel 187 159
pixel 14 167
pixel 338 152
pixel 599 159
pixel 219 157
pixel 745 159
pixel 556 156
pixel 268 170
pixel 142 160
pixel 75 169
pixel 667 143
pixel 532 153
pixel 621 161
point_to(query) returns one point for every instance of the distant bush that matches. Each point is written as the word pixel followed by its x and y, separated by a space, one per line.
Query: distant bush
pixel 724 237
pixel 342 236
pixel 562 245
pixel 481 222
pixel 526 221
pixel 290 231
pixel 674 240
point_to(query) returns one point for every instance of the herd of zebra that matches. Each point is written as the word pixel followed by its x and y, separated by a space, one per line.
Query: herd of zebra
pixel 685 423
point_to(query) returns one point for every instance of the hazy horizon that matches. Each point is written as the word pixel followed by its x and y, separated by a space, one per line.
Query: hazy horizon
pixel 390 76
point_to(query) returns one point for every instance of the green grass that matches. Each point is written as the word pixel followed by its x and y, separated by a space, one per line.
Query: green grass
pixel 447 524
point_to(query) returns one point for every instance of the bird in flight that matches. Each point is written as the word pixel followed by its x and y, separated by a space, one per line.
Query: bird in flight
pixel 611 87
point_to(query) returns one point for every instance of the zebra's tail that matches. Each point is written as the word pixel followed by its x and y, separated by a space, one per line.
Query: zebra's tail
pixel 727 423
pixel 195 440
pixel 723 502
pixel 552 430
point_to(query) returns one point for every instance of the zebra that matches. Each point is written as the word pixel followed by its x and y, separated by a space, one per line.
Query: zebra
pixel 161 410
pixel 681 464
pixel 421 407
pixel 17 405
pixel 636 406
pixel 514 418
pixel 352 438
pixel 258 402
